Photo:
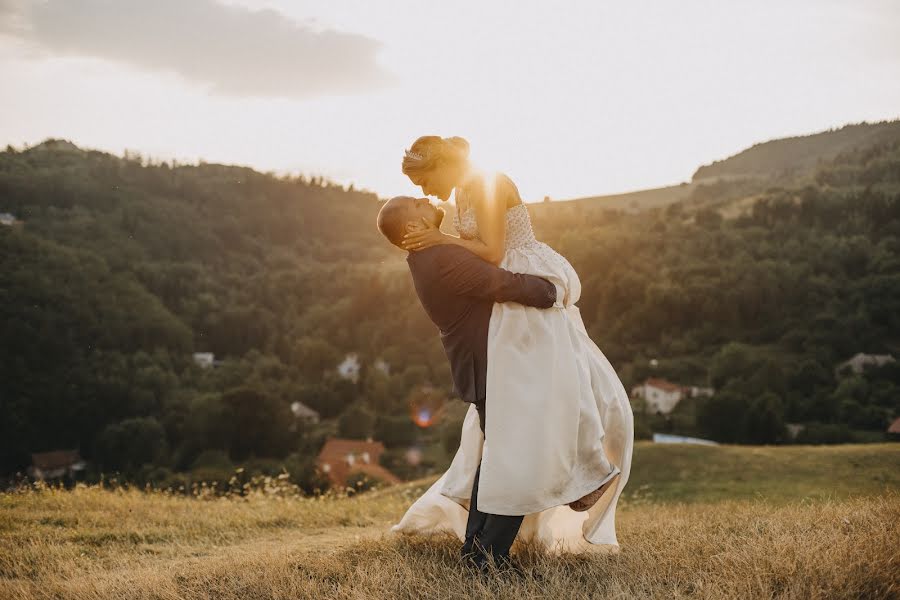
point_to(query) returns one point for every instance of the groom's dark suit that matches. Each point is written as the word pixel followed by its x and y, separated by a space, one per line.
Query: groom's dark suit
pixel 458 291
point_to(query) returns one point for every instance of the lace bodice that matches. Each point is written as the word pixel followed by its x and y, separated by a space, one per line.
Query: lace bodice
pixel 519 232
pixel 525 254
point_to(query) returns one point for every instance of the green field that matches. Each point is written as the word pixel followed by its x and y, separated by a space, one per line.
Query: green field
pixel 704 522
pixel 684 473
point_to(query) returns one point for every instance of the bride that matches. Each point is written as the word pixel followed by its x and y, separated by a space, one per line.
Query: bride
pixel 560 422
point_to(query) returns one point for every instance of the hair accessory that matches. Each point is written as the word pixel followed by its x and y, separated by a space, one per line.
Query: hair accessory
pixel 415 155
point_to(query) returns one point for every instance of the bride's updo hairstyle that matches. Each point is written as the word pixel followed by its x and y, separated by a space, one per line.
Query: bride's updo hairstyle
pixel 432 151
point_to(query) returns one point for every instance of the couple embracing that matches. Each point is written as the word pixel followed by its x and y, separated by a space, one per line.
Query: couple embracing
pixel 546 443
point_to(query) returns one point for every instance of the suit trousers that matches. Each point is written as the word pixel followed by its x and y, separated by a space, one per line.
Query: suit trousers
pixel 487 533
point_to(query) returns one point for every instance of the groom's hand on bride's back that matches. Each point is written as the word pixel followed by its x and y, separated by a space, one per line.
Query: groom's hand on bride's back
pixel 465 274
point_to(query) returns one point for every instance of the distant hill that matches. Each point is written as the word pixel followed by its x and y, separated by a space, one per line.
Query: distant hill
pixel 794 156
pixel 733 184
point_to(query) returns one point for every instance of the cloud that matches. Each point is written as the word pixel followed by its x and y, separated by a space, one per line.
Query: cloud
pixel 234 50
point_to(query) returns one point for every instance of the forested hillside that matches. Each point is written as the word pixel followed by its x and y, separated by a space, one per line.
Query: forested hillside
pixel 121 269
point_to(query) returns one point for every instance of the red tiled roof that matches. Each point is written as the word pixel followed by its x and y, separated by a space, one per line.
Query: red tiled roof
pixel 57 459
pixel 341 447
pixel 376 471
pixel 895 426
pixel 335 451
pixel 664 385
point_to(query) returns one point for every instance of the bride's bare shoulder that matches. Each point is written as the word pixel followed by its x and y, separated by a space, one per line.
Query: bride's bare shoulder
pixel 507 190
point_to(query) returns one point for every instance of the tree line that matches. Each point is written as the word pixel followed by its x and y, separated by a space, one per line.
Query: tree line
pixel 123 268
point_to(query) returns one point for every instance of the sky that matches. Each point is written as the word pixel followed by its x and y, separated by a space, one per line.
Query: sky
pixel 569 98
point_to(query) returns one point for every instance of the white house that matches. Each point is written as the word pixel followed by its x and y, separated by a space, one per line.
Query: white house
pixel 860 360
pixel 660 396
pixel 694 391
pixel 794 429
pixel 204 359
pixel 349 367
pixel 304 413
pixel 383 366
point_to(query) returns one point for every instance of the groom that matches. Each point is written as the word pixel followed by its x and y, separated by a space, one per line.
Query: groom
pixel 458 291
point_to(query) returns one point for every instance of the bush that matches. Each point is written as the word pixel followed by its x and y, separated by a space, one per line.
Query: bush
pixel 259 424
pixel 305 473
pixel 361 482
pixel 394 431
pixel 356 423
pixel 825 433
pixel 127 445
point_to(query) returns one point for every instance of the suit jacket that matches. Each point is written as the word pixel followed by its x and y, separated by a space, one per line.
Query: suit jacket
pixel 458 291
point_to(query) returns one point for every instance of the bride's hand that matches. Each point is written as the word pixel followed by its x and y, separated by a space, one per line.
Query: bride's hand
pixel 425 238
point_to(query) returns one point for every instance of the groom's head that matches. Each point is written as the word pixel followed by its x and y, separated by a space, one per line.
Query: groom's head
pixel 403 214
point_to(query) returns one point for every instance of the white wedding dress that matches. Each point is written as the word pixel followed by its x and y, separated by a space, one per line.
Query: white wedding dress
pixel 558 418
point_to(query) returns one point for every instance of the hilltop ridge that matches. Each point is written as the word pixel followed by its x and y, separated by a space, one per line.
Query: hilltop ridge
pixel 781 161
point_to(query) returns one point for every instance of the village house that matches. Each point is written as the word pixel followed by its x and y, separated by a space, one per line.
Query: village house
pixel 349 367
pixel 58 464
pixel 794 429
pixel 9 219
pixel 860 361
pixel 661 396
pixel 304 413
pixel 893 430
pixel 204 360
pixel 340 458
pixel 383 366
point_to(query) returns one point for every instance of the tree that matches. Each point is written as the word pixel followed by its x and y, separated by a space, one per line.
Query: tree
pixel 127 445
pixel 764 420
pixel 356 422
pixel 259 424
pixel 395 431
pixel 732 361
pixel 720 417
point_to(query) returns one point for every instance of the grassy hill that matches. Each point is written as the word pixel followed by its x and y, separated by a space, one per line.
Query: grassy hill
pixel 709 522
pixel 683 473
pixel 795 156
pixel 736 182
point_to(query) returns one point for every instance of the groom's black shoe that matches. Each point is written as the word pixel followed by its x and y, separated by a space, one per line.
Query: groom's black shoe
pixel 515 569
pixel 476 562
pixel 472 559
pixel 506 567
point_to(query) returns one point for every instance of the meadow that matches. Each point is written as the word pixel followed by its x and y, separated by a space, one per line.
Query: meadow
pixel 699 522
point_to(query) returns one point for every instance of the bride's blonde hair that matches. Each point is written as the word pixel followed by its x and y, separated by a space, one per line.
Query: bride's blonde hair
pixel 430 151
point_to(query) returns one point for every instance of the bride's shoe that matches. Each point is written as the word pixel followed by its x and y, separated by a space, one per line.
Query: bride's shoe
pixel 590 499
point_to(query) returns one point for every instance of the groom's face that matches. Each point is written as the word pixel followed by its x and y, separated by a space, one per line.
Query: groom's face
pixel 421 208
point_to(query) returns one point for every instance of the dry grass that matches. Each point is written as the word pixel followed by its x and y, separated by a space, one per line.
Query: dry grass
pixel 98 544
